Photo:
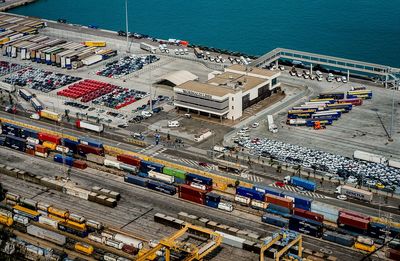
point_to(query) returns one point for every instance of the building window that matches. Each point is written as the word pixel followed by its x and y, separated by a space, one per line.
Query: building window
pixel 274 81
pixel 233 98
pixel 233 107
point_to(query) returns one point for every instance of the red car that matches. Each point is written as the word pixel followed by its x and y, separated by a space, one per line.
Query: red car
pixel 280 184
pixel 203 164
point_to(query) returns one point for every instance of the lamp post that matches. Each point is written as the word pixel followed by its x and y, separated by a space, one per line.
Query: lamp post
pixel 126 25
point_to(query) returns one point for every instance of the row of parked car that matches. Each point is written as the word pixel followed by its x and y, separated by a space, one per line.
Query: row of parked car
pixel 126 65
pixel 306 74
pixel 41 80
pixel 120 97
pixel 6 67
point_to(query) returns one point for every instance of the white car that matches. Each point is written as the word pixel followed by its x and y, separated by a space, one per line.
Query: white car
pixel 339 79
pixel 344 79
pixel 319 78
pixel 281 67
pixel 245 128
pixel 292 73
pixel 255 125
pixel 342 197
pixel 147 114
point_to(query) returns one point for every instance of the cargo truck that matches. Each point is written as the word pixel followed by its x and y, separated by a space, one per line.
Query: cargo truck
pixel 89 126
pixel 299 182
pixel 271 125
pixel 50 115
pixel 362 155
pixel 95 43
pixel 148 47
pixel 354 193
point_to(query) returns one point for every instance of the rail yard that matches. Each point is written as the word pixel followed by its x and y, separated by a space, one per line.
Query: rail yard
pixel 158 150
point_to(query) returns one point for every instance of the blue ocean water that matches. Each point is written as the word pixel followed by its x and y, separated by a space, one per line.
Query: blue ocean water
pixel 364 30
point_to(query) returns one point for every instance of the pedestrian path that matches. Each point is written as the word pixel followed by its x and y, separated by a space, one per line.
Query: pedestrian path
pixel 191 163
pixel 296 190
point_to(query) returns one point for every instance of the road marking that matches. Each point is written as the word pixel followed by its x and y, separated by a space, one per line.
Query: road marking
pixel 296 190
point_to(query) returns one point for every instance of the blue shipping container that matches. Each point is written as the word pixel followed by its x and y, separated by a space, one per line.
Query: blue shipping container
pixel 303 220
pixel 179 181
pixel 25 133
pixel 148 165
pixel 212 204
pixel 190 177
pixel 250 193
pixel 72 145
pixel 340 239
pixel 15 143
pixel 2 140
pixel 158 186
pixel 143 174
pixel 67 160
pixel 276 209
pixel 274 220
pixel 91 142
pixel 136 180
pixel 299 201
pixel 306 184
pixel 268 190
pixel 213 197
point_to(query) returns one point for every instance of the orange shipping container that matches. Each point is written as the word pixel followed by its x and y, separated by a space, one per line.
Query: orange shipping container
pixel 50 145
pixel 283 202
pixel 30 152
pixel 41 148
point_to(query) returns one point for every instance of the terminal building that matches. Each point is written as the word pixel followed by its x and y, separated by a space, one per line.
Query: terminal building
pixel 226 94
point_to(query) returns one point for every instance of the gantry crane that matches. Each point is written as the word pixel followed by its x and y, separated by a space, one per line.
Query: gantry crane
pixel 290 238
pixel 171 243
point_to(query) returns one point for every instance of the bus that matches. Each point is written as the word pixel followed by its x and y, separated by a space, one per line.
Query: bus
pixel 334 95
pixel 327 100
pixel 346 106
pixel 36 104
pixel 312 107
pixel 330 115
pixel 199 53
pixel 353 101
pixel 25 94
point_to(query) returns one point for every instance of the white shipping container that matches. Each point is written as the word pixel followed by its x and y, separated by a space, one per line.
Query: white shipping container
pixel 107 234
pixel 94 224
pixel 356 193
pixel 231 240
pixel 46 234
pixel 6 86
pixel 129 241
pixel 76 218
pixel 28 55
pixel 32 140
pixel 92 59
pixel 394 164
pixel 96 238
pixel 362 155
pixel 225 206
pixel 62 149
pixel 48 221
pixel 40 154
pixel 95 158
pixel 110 163
pixel 13 52
pixel 242 200
pixel 365 240
pixel 258 204
pixel 161 177
pixel 114 244
pixel 21 219
pixel 5 212
pixel 91 126
pixel 198 186
pixel 23 54
pixel 110 257
pixel 77 192
pixel 330 212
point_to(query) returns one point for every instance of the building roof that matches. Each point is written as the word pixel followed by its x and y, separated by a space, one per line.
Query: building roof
pixel 177 78
pixel 229 79
pixel 251 69
pixel 206 88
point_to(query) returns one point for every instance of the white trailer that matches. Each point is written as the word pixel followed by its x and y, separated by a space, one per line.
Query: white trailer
pixel 355 193
pixel 161 177
pixel 394 164
pixel 148 47
pixel 271 125
pixel 90 126
pixel 7 87
pixel 362 155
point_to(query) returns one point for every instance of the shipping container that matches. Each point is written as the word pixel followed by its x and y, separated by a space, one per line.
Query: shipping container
pixel 46 235
pixel 129 168
pixel 275 220
pixel 112 164
pixel 113 243
pixel 250 193
pixel 49 137
pixel 344 240
pixel 49 145
pixel 147 166
pixel 95 158
pixel 213 197
pixel 393 254
pixel 136 180
pixel 164 188
pixel 28 133
pixel 129 241
pixel 242 200
pixel 72 145
pixel 279 210
pixel 352 221
pixel 308 214
pixel 91 142
pixel 199 179
pixel 89 126
pixel 128 159
pixel 231 240
pixel 175 172
pixel 298 200
pixel 15 143
pixel 365 248
pixel 63 226
pixel 370 157
pixel 268 190
pixel 300 182
pixel 50 115
pixel 284 202
pixel 161 177
pixel 258 204
pixel 21 219
pixel 69 161
pixel 330 212
pixel 355 214
pixel 84 248
pixel 356 193
pixel 211 203
pixel 48 221
pixel 83 149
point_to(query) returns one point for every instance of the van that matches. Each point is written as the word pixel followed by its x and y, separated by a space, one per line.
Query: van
pixel 318 73
pixel 147 114
pixel 173 124
pixel 35 116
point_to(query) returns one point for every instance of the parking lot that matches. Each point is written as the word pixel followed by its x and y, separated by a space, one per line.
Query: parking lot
pixel 126 65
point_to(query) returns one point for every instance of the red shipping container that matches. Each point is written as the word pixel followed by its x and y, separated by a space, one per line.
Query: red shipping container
pixel 80 164
pixel 352 221
pixel 393 254
pixel 40 148
pixel 308 214
pixel 86 149
pixel 283 202
pixel 355 214
pixel 128 159
pixel 49 137
pixel 199 200
pixel 186 189
pixel 30 152
pixel 130 249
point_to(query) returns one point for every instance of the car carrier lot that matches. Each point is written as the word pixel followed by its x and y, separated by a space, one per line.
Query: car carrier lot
pixel 137 207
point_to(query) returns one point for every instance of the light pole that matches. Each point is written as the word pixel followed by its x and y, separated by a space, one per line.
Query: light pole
pixel 392 116
pixel 126 25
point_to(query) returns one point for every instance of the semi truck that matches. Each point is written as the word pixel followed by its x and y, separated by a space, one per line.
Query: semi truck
pixel 354 193
pixel 271 125
pixel 89 126
pixel 148 47
pixel 50 115
pixel 300 182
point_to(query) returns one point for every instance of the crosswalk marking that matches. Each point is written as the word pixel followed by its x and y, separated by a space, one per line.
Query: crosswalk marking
pixel 158 152
pixel 251 177
pixel 147 148
pixel 296 190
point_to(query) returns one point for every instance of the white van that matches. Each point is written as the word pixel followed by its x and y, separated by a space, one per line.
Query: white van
pixel 172 124
pixel 147 114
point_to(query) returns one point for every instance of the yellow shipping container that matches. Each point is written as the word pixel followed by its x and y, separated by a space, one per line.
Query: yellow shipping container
pixel 8 221
pixel 57 218
pixel 58 212
pixel 76 224
pixel 84 248
pixel 4 40
pixel 95 43
pixel 363 247
pixel 50 145
pixel 50 115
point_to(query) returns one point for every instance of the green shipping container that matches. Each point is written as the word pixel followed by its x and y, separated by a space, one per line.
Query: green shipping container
pixel 175 172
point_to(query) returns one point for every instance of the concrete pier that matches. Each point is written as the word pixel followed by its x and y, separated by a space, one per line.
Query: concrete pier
pixel 10 4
